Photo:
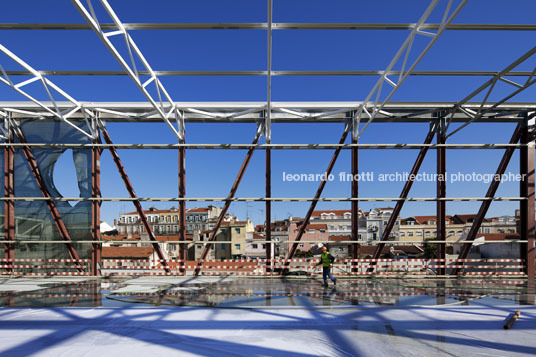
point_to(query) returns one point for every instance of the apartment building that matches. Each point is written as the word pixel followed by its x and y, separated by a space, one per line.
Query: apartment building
pixel 233 232
pixel 166 221
pixel 371 225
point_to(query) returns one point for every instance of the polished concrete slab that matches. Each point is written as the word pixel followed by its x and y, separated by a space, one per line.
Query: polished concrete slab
pixel 256 317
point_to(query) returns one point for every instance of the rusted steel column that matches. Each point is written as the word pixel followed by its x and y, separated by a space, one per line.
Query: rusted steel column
pixel 318 193
pixel 236 183
pixel 441 186
pixel 526 169
pixel 268 209
pixel 182 208
pixel 96 248
pixel 56 217
pixel 9 205
pixel 404 194
pixel 491 193
pixel 136 202
pixel 355 204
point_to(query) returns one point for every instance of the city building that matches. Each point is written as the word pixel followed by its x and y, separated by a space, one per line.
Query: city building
pixel 166 221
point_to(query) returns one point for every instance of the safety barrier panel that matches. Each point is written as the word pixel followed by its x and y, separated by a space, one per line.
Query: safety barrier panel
pixel 263 267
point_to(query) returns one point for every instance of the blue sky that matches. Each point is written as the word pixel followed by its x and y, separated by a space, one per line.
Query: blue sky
pixel 211 173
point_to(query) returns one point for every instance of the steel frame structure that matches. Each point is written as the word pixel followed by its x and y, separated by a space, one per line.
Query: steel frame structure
pixel 376 107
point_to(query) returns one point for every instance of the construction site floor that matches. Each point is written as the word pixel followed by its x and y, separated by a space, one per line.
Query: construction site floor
pixel 163 316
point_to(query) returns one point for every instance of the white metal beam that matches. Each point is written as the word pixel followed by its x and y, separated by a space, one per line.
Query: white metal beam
pixel 163 104
pixel 483 108
pixel 52 109
pixel 373 104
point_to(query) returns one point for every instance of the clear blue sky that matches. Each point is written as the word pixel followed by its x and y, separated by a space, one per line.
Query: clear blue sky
pixel 211 173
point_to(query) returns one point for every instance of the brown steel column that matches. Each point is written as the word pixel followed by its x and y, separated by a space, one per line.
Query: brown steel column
pixel 9 205
pixel 182 207
pixel 441 186
pixel 527 217
pixel 56 217
pixel 317 195
pixel 136 202
pixel 355 204
pixel 96 248
pixel 268 209
pixel 231 194
pixel 491 193
pixel 404 194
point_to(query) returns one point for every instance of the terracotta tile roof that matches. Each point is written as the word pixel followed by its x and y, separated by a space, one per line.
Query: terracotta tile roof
pixel 113 238
pixel 198 209
pixel 126 252
pixel 316 226
pixel 339 238
pixel 464 218
pixel 172 237
pixel 257 236
pixel 498 236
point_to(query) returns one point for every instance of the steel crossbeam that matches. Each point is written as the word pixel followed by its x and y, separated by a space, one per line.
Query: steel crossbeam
pixel 403 195
pixel 494 185
pixel 228 200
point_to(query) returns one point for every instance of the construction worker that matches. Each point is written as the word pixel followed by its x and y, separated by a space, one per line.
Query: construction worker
pixel 326 259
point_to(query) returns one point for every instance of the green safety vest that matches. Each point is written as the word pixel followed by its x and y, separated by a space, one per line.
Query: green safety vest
pixel 326 262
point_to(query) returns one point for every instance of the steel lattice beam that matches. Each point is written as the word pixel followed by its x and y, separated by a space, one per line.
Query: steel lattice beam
pixel 482 109
pixel 373 102
pixel 163 104
pixel 264 26
pixel 53 108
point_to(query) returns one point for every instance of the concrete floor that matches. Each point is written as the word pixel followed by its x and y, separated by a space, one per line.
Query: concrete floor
pixel 225 316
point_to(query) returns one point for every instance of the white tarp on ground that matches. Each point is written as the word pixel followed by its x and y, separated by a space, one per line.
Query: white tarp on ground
pixel 175 331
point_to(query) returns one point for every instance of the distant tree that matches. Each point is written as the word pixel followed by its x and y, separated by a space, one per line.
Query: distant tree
pixel 430 250
pixel 303 254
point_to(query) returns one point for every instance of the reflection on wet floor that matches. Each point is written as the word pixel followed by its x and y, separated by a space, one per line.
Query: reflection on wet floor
pixel 26 292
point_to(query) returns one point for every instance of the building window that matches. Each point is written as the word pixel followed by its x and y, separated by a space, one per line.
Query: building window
pixel 254 246
pixel 419 233
pixel 301 245
pixel 311 230
pixel 203 218
pixel 410 234
pixel 175 218
pixel 427 234
pixel 168 219
pixel 237 230
pixel 402 234
pixel 237 246
pixel 176 229
pixel 359 237
pixel 332 227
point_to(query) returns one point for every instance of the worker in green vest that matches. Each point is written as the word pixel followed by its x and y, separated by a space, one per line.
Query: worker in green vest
pixel 326 259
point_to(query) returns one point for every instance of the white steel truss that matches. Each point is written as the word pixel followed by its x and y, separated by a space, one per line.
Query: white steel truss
pixel 51 109
pixel 484 109
pixel 373 105
pixel 163 105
